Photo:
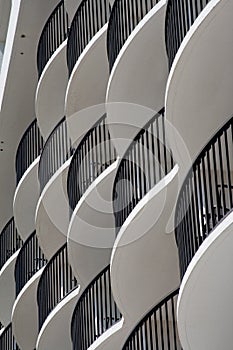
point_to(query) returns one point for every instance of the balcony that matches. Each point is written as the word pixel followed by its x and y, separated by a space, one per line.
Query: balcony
pixel 57 150
pixel 179 18
pixel 158 329
pixel 95 312
pixel 28 150
pixel 144 164
pixel 10 242
pixel 54 33
pixel 88 20
pixel 94 154
pixel 206 196
pixel 30 260
pixel 125 16
pixel 56 282
pixel 203 234
pixel 7 341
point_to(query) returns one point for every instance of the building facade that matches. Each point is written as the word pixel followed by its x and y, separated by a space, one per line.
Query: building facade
pixel 116 138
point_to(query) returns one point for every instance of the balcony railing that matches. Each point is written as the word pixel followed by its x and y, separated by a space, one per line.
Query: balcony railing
pixel 206 196
pixel 54 33
pixel 7 341
pixel 180 16
pixel 125 16
pixel 10 242
pixel 88 20
pixel 56 282
pixel 28 150
pixel 57 150
pixel 30 260
pixel 93 155
pixel 94 313
pixel 158 329
pixel 147 160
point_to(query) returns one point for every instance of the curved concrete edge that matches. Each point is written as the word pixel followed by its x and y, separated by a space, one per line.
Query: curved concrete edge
pixel 7 289
pixel 91 231
pixel 26 193
pixel 199 86
pixel 50 93
pixel 204 315
pixel 55 332
pixel 142 61
pixel 143 245
pixel 25 314
pixel 88 81
pixel 52 220
pixel 113 338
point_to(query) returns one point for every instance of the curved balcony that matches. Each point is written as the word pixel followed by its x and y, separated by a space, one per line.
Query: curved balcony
pixel 94 154
pixel 144 164
pixel 7 341
pixel 28 150
pixel 88 20
pixel 54 33
pixel 56 282
pixel 10 242
pixel 95 312
pixel 125 16
pixel 158 329
pixel 180 16
pixel 30 260
pixel 57 150
pixel 206 196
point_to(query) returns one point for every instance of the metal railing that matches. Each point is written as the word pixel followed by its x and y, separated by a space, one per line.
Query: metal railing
pixel 94 313
pixel 30 260
pixel 206 196
pixel 10 242
pixel 88 20
pixel 180 16
pixel 28 150
pixel 92 156
pixel 56 282
pixel 125 16
pixel 146 161
pixel 57 150
pixel 158 329
pixel 54 33
pixel 7 341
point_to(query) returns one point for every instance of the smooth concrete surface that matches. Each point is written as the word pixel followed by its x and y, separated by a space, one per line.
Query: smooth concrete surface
pixel 137 83
pixel 87 86
pixel 51 90
pixel 25 314
pixel 200 84
pixel 7 289
pixel 55 332
pixel 91 232
pixel 52 221
pixel 144 261
pixel 25 201
pixel 205 315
